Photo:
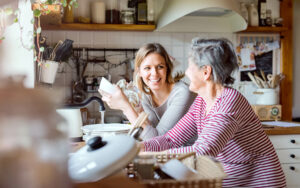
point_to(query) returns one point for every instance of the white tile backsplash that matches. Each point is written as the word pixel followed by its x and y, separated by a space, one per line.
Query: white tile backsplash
pixel 176 44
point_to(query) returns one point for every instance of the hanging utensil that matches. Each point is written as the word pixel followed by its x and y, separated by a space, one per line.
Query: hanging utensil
pixel 53 54
pixel 253 80
pixel 271 80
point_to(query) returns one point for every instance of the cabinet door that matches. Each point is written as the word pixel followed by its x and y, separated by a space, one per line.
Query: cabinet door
pixel 285 141
pixel 292 174
pixel 288 155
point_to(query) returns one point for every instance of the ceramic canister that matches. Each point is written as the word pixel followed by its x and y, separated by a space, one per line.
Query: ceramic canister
pixel 98 12
pixel 267 97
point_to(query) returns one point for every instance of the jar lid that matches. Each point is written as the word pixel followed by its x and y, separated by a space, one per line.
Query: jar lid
pixel 101 158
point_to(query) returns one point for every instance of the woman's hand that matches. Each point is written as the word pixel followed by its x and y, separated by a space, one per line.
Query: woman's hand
pixel 118 100
pixel 141 146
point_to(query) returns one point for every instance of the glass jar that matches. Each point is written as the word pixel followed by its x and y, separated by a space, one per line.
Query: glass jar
pixel 127 17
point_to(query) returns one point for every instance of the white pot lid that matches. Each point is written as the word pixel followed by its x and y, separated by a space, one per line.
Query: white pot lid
pixel 107 127
pixel 90 163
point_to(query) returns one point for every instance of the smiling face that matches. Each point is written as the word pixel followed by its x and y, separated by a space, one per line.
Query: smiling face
pixel 153 71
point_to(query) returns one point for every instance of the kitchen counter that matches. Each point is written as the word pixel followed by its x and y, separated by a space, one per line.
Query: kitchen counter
pixel 282 130
pixel 287 128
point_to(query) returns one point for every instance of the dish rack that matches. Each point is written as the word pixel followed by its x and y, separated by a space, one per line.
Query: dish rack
pixel 211 172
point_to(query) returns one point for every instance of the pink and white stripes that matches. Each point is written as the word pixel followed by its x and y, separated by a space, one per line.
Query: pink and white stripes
pixel 233 134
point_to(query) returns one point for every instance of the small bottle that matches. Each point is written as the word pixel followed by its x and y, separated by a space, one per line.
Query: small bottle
pixel 262 12
pixel 269 18
pixel 150 11
pixel 253 15
pixel 244 12
pixel 141 12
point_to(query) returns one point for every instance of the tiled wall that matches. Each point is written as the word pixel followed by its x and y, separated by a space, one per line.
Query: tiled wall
pixel 177 45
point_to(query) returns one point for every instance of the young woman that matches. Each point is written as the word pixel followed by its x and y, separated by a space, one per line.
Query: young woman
pixel 224 121
pixel 165 99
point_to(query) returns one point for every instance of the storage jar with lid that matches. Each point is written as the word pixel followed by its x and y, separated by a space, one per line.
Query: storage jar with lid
pixel 127 16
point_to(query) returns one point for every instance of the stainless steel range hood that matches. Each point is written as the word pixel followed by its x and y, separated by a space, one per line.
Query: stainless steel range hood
pixel 200 16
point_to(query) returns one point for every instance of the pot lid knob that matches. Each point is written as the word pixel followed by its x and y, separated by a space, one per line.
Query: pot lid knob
pixel 95 143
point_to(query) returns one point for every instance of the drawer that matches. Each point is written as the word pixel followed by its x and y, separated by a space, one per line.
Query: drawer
pixel 292 174
pixel 288 155
pixel 285 141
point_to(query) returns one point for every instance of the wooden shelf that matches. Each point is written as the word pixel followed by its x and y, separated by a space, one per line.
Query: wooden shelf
pixel 265 29
pixel 99 27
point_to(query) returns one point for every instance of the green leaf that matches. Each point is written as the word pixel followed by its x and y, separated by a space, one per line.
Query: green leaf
pixel 16 20
pixel 50 2
pixel 8 11
pixel 75 4
pixel 39 30
pixel 37 13
pixel 48 11
pixel 2 38
pixel 42 49
pixel 64 3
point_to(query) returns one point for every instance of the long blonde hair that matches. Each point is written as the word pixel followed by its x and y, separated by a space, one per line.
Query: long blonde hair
pixel 142 53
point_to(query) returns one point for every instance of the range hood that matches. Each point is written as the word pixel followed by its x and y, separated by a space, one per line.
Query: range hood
pixel 200 16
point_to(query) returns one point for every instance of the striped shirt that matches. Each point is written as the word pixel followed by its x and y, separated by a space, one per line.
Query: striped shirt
pixel 230 132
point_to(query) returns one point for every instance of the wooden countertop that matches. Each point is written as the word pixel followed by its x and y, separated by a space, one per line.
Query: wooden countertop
pixel 276 130
pixel 282 130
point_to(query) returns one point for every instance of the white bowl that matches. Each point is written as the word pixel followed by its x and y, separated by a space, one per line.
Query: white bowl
pixel 106 86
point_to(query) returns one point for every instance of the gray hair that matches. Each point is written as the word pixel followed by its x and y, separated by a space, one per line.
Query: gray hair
pixel 217 53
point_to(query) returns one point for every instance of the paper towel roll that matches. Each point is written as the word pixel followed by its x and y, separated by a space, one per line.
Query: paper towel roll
pixel 98 12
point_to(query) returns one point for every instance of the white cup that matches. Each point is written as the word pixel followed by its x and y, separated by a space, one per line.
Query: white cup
pixel 106 86
pixel 267 96
pixel 98 12
pixel 48 71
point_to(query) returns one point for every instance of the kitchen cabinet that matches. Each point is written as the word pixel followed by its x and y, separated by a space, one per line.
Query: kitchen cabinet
pixel 288 150
pixel 286 141
pixel 286 64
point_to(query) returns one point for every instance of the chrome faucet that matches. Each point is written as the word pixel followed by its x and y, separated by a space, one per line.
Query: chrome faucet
pixel 88 101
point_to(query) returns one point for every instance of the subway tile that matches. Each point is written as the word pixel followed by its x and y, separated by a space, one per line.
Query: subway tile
pixel 177 51
pixel 58 35
pixel 165 38
pixel 100 38
pixel 85 38
pixel 178 39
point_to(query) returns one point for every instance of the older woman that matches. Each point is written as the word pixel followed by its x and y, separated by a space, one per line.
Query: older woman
pixel 224 121
pixel 165 98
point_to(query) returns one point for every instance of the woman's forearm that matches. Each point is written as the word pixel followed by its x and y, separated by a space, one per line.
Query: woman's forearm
pixel 130 113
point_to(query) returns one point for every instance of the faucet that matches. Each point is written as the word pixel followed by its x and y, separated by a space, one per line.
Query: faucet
pixel 88 101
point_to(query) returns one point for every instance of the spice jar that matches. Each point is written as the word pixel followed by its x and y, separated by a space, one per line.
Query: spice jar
pixel 127 17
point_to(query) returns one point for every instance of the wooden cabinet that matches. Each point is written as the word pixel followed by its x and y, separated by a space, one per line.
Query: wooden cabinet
pixel 288 150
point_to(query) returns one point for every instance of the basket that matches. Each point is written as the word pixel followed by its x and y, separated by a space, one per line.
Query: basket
pixel 210 171
pixel 51 14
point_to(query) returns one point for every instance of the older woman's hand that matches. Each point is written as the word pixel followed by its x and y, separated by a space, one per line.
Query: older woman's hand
pixel 118 100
